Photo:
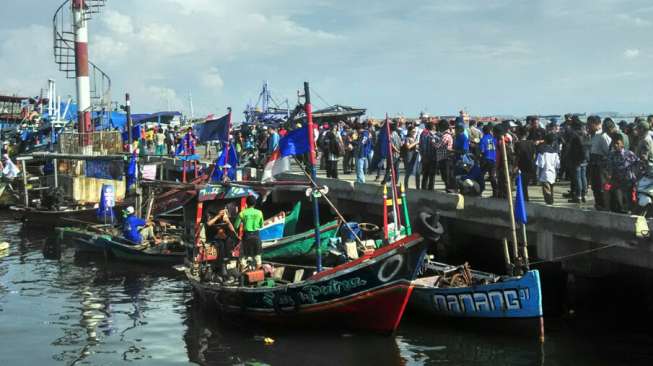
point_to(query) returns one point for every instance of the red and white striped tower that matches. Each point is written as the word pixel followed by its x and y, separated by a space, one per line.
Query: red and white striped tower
pixel 82 75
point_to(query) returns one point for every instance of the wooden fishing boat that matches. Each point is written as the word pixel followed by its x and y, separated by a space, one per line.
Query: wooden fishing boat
pixel 8 196
pixel 107 239
pixel 369 293
pixel 42 218
pixel 459 292
pixel 84 239
pixel 169 252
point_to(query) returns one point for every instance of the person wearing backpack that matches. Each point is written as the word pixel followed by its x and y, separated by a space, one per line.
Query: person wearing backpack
pixel 427 145
pixel 488 150
pixel 334 150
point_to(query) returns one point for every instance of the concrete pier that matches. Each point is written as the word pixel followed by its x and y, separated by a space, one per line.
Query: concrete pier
pixel 560 233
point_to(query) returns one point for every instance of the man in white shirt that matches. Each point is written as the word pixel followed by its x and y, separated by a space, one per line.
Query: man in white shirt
pixel 547 163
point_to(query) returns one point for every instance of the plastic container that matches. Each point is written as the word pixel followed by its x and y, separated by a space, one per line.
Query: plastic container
pixel 346 234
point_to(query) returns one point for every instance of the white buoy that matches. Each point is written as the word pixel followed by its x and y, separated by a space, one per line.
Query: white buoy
pixel 4 246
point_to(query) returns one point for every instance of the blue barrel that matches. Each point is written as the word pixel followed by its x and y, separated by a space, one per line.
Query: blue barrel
pixel 346 234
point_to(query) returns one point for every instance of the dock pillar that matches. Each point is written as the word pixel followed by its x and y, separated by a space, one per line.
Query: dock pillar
pixel 56 173
pixel 25 190
pixel 84 125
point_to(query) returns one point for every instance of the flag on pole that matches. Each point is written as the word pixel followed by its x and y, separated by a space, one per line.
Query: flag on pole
pixel 231 164
pixel 383 141
pixel 520 204
pixel 131 172
pixel 213 130
pixel 294 143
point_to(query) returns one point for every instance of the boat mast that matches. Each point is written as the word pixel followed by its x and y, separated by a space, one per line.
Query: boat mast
pixel 227 146
pixel 311 158
pixel 390 162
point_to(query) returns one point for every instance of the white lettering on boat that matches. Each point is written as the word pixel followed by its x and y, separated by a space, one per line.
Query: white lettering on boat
pixel 479 302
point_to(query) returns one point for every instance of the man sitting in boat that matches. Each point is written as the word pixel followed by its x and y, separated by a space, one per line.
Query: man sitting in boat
pixel 251 246
pixel 136 229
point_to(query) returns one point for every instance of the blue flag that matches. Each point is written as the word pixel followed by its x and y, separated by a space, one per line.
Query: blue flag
pixel 107 202
pixel 382 141
pixel 520 205
pixel 295 143
pixel 131 172
pixel 232 163
pixel 213 130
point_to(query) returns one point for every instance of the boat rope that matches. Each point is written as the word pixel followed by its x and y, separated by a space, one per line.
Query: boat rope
pixel 556 259
pixel 335 209
pixel 320 97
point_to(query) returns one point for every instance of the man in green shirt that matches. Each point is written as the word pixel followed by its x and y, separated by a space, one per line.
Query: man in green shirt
pixel 252 220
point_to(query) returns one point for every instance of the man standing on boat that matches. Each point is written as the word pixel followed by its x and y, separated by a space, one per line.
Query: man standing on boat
pixel 136 229
pixel 252 220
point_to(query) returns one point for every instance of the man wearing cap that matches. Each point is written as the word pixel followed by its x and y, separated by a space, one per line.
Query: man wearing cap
pixel 136 229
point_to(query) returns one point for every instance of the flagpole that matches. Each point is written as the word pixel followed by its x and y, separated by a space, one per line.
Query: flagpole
pixel 395 209
pixel 311 158
pixel 513 228
pixel 228 145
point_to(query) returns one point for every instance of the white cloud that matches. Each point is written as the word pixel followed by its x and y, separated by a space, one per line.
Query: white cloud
pixel 631 53
pixel 212 79
pixel 117 22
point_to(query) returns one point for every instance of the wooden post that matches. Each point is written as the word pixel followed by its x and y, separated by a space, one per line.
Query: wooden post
pixel 56 173
pixel 385 212
pixel 308 108
pixel 506 256
pixel 25 191
pixel 513 227
pixel 525 260
pixel 404 203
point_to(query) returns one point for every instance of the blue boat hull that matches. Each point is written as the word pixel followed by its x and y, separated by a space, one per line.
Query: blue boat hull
pixel 510 298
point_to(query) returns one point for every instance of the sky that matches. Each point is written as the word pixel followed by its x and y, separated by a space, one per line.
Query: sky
pixel 489 57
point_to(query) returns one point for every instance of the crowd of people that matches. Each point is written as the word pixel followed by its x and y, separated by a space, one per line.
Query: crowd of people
pixel 598 154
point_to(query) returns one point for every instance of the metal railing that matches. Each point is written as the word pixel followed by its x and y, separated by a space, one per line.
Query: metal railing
pixel 104 142
pixel 64 51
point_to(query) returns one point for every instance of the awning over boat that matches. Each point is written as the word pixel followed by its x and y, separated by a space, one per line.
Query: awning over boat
pixel 217 191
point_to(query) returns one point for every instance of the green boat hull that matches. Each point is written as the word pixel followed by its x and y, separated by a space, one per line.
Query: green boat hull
pixel 83 240
pixel 300 246
pixel 124 252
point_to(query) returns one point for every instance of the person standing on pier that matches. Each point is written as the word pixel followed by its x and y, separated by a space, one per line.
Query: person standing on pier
pixel 598 165
pixel 395 153
pixel 525 158
pixel 160 142
pixel 445 156
pixel 577 157
pixel 362 149
pixel 428 144
pixel 334 149
pixel 547 163
pixel 488 152
pixel 411 157
pixel 621 167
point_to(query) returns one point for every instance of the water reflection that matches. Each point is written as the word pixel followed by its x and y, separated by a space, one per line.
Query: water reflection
pixel 210 341
pixel 62 307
